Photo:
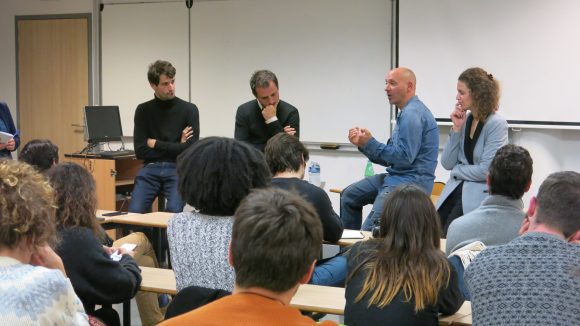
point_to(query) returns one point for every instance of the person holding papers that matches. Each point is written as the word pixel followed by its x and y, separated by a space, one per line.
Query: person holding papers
pixel 10 140
pixel 97 278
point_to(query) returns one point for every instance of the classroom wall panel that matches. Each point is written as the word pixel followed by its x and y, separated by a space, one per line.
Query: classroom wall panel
pixel 330 56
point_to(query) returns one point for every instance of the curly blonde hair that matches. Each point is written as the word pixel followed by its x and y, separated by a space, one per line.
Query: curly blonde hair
pixel 27 207
pixel 485 91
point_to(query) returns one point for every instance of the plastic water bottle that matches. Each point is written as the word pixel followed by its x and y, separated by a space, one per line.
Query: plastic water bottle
pixel 369 171
pixel 314 173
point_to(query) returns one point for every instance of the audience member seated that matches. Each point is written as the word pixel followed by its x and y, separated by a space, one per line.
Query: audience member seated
pixel 474 138
pixel 275 242
pixel 498 219
pixel 34 289
pixel 96 277
pixel 287 157
pixel 215 174
pixel 533 279
pixel 402 277
pixel 40 153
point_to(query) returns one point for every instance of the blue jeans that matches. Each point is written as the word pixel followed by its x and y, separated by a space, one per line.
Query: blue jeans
pixel 357 195
pixel 153 180
pixel 330 272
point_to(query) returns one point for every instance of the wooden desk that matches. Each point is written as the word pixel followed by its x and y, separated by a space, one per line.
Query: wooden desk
pixel 463 321
pixel 463 312
pixel 309 297
pixel 314 298
pixel 349 242
pixel 367 235
pixel 158 280
pixel 154 219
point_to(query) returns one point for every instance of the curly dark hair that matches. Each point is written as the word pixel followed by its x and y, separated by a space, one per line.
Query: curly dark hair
pixel 285 153
pixel 40 153
pixel 26 206
pixel 510 171
pixel 216 173
pixel 484 89
pixel 75 197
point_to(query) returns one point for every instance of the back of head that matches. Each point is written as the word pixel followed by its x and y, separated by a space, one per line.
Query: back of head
pixel 285 153
pixel 158 68
pixel 484 89
pixel 26 206
pixel 75 192
pixel 40 153
pixel 409 221
pixel 216 173
pixel 276 237
pixel 510 172
pixel 407 258
pixel 262 78
pixel 558 202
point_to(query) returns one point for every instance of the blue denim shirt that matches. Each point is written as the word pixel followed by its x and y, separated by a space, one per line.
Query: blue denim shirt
pixel 410 155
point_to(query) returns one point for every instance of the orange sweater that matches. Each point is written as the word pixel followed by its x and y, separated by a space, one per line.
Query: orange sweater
pixel 244 309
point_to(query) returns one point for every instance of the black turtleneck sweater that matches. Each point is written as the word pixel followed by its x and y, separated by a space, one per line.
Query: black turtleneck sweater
pixel 164 121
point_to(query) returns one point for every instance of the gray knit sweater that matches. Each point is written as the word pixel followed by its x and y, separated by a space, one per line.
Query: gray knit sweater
pixel 496 222
pixel 198 245
pixel 532 280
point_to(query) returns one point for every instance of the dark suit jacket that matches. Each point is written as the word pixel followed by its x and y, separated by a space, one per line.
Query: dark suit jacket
pixel 252 129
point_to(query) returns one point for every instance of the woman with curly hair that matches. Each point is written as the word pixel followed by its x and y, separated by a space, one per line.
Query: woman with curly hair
pixel 473 140
pixel 401 277
pixel 34 289
pixel 215 174
pixel 96 277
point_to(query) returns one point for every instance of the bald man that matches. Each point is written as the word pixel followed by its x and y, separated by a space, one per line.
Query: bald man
pixel 410 155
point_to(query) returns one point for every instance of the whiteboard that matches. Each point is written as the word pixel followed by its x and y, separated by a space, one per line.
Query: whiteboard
pixel 330 56
pixel 530 46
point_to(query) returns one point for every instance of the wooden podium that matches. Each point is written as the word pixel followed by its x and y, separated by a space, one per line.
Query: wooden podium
pixel 112 176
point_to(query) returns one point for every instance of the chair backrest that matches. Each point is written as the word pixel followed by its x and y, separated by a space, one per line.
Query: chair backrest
pixel 437 188
pixel 436 192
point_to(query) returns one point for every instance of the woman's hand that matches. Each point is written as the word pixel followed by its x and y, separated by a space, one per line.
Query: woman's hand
pixel 46 257
pixel 458 117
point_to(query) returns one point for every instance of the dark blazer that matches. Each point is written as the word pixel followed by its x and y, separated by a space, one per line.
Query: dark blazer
pixel 7 118
pixel 252 129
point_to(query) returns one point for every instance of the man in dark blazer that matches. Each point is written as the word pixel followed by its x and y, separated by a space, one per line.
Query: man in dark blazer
pixel 260 119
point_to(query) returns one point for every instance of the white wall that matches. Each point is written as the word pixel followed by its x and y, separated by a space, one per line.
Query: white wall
pixel 551 150
pixel 8 10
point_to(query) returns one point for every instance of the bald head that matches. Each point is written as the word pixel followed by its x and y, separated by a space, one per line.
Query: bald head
pixel 400 86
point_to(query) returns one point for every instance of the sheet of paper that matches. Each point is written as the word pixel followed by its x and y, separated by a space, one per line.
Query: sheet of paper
pixel 352 234
pixel 5 137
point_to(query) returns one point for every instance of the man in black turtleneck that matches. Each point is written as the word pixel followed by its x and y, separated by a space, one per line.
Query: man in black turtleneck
pixel 164 127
